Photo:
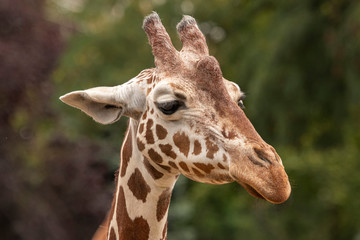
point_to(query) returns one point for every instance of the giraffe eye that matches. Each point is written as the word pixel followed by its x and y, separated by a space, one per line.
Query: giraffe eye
pixel 169 108
pixel 240 102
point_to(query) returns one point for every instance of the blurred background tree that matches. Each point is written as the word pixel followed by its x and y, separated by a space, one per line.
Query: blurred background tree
pixel 297 61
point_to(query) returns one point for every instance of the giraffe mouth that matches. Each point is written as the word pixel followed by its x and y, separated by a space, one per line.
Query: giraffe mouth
pixel 252 191
pixel 273 186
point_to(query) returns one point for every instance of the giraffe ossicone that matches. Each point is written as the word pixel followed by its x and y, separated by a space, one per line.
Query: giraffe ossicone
pixel 184 119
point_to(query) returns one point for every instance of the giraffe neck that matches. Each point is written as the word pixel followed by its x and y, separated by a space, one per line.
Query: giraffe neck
pixel 142 197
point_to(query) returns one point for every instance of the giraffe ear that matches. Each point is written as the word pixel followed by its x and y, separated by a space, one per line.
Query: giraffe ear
pixel 107 104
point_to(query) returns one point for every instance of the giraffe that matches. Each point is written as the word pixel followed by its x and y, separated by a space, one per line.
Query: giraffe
pixel 184 118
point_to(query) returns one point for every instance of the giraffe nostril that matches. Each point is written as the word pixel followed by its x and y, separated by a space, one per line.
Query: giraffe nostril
pixel 262 155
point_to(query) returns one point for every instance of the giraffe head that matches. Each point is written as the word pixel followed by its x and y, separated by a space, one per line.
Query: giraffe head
pixel 188 116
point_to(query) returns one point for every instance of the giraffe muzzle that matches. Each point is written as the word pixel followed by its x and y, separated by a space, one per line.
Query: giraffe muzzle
pixel 262 174
pixel 272 186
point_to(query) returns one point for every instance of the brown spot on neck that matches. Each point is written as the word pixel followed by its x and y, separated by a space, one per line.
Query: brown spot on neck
pixel 152 170
pixel 220 166
pixel 155 156
pixel 161 132
pixel 112 210
pixel 166 168
pixel 126 153
pixel 167 150
pixel 164 233
pixel 198 173
pixel 172 164
pixel 137 229
pixel 222 178
pixel 197 147
pixel 149 134
pixel 144 115
pixel 138 185
pixel 205 167
pixel 112 234
pixel 182 141
pixel 211 148
pixel 141 128
pixel 140 144
pixel 163 204
pixel 184 166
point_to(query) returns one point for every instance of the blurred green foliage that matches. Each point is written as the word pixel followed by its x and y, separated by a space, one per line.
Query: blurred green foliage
pixel 297 61
pixel 299 64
